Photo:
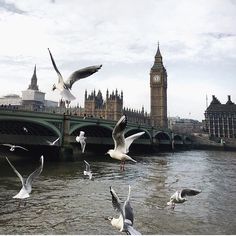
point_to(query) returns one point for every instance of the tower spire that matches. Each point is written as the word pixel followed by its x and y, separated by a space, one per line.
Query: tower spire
pixel 158 59
pixel 158 53
pixel 33 85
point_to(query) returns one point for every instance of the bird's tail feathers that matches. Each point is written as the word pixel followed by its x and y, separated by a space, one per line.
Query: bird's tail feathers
pixel 130 158
pixel 67 95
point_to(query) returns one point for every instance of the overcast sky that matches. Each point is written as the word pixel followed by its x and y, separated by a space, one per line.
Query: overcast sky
pixel 197 42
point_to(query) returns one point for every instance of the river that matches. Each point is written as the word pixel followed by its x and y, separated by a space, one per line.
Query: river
pixel 64 202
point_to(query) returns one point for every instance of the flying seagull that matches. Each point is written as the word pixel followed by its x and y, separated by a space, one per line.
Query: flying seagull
pixel 13 147
pixel 52 143
pixel 65 86
pixel 180 196
pixel 121 143
pixel 87 170
pixel 27 184
pixel 81 139
pixel 25 129
pixel 126 219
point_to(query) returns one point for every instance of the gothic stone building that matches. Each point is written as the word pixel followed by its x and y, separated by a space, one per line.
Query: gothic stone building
pixel 220 119
pixel 112 107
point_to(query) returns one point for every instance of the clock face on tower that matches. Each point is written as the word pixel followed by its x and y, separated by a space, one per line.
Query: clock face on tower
pixel 156 78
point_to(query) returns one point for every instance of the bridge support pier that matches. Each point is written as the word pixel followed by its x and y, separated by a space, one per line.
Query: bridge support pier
pixel 66 153
pixel 66 150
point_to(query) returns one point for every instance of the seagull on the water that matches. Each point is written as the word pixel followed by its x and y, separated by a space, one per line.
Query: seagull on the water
pixel 121 143
pixel 87 170
pixel 52 143
pixel 180 196
pixel 126 219
pixel 13 147
pixel 65 86
pixel 27 184
pixel 81 139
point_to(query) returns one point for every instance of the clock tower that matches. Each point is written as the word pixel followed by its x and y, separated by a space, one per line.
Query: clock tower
pixel 158 90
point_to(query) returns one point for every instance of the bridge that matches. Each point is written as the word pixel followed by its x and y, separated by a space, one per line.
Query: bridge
pixel 42 126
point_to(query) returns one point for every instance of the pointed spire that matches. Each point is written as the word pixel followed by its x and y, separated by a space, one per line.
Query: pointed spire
pixel 33 85
pixel 158 60
pixel 158 53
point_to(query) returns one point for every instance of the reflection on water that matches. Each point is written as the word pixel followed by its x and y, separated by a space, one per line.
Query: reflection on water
pixel 64 202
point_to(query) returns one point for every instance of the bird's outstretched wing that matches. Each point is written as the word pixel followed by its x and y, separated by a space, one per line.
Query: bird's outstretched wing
pixel 128 217
pixel 17 173
pixel 80 74
pixel 21 148
pixel 87 166
pixel 53 142
pixel 7 144
pixel 35 174
pixel 130 139
pixel 60 78
pixel 128 210
pixel 189 192
pixel 115 200
pixel 118 134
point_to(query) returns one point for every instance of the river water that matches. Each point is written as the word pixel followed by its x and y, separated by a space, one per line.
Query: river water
pixel 64 202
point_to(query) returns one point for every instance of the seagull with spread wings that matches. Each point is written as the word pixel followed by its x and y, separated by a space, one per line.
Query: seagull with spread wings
pixel 27 184
pixel 53 142
pixel 13 147
pixel 180 196
pixel 121 143
pixel 126 219
pixel 65 86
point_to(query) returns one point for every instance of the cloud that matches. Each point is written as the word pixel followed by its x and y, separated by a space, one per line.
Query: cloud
pixel 10 7
pixel 197 41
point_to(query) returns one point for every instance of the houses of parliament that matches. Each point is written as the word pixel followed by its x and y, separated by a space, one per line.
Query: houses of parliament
pixel 95 105
pixel 112 107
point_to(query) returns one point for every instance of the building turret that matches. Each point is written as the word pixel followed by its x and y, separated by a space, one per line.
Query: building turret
pixel 33 85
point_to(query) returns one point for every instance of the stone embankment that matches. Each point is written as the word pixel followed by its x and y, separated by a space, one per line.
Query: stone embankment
pixel 202 141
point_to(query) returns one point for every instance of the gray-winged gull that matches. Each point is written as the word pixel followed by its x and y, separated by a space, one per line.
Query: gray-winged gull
pixel 65 86
pixel 27 184
pixel 121 143
pixel 180 196
pixel 13 147
pixel 126 219
pixel 53 142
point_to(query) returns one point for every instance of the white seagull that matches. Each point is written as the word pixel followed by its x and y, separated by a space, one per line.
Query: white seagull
pixel 87 170
pixel 126 219
pixel 65 86
pixel 81 139
pixel 52 143
pixel 121 143
pixel 13 147
pixel 27 184
pixel 25 129
pixel 180 196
